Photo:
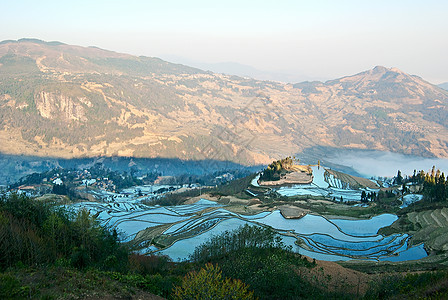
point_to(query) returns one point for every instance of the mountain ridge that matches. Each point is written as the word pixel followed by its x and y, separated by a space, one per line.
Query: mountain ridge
pixel 72 101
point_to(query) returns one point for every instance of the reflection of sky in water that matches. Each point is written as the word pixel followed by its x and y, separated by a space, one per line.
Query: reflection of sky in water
pixel 183 248
pixel 298 190
pixel 322 256
pixel 322 235
pixel 309 224
pixel 319 187
pixel 409 199
pixel 416 252
pixel 318 177
pixel 326 238
pixel 365 227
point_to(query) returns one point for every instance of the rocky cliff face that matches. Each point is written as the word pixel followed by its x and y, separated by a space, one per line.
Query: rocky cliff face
pixel 70 101
pixel 53 105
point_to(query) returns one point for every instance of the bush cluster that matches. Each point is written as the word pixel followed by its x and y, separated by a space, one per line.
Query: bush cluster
pixel 36 233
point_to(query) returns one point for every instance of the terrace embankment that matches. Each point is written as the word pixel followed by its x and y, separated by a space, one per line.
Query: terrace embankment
pixel 429 227
pixel 252 206
pixel 292 212
pixel 234 204
pixel 433 226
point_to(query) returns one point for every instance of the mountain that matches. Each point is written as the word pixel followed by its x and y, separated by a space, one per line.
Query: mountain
pixel 242 70
pixel 383 109
pixel 443 86
pixel 69 101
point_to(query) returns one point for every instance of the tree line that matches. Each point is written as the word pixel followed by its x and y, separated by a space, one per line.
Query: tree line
pixel 434 183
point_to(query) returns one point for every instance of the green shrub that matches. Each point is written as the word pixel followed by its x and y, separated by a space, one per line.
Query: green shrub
pixel 257 256
pixel 155 283
pixel 428 285
pixel 244 237
pixel 34 233
pixel 149 264
pixel 209 284
pixel 11 288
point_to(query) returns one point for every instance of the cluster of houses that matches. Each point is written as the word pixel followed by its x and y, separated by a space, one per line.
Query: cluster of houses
pixel 79 179
pixel 90 187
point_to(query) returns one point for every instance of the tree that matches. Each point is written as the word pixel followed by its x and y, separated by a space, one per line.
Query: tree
pixel 440 188
pixel 404 189
pixel 398 179
pixel 434 185
pixel 60 189
pixel 363 196
pixel 258 257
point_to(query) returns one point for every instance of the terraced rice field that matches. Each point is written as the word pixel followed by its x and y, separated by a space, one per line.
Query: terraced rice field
pixel 432 227
pixel 350 181
pixel 331 184
pixel 179 229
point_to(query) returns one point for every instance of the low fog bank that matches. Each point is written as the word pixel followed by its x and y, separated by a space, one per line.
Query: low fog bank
pixel 380 163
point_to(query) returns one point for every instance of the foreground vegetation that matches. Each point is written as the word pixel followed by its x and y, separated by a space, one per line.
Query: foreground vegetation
pixel 43 245
pixel 257 256
pixel 429 285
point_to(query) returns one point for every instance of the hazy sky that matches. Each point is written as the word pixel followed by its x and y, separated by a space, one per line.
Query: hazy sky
pixel 321 39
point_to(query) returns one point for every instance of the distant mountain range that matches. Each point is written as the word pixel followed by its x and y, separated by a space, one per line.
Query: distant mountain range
pixel 443 85
pixel 242 70
pixel 69 101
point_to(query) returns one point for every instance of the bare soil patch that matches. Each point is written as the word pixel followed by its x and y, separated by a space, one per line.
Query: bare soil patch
pixel 292 212
pixel 336 277
pixel 290 179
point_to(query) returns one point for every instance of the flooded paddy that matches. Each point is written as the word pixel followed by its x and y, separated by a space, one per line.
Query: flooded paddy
pixel 188 226
pixel 409 199
pixel 326 186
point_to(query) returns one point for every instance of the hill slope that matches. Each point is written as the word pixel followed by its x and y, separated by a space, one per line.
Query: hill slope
pixel 70 101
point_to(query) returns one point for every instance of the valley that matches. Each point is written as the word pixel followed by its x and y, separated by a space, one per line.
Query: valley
pixel 351 242
pixel 134 170
pixel 345 232
pixel 331 216
pixel 180 229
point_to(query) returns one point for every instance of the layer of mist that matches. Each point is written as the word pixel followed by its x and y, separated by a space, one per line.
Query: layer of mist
pixel 381 163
